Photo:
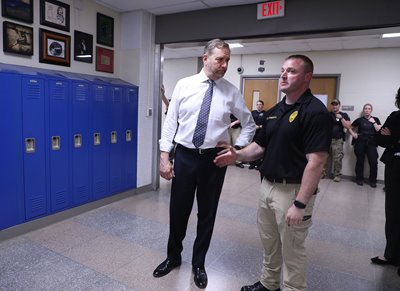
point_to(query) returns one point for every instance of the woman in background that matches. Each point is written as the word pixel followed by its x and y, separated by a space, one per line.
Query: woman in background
pixel 389 138
pixel 365 144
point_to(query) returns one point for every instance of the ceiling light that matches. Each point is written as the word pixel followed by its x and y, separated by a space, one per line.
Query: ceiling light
pixel 395 34
pixel 235 45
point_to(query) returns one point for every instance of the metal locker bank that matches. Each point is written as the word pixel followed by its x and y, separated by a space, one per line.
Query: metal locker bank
pixel 70 139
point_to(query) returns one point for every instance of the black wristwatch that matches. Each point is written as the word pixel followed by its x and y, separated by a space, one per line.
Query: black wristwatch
pixel 299 204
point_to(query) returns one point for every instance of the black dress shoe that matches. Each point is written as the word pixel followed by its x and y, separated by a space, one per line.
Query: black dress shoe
pixel 359 182
pixel 240 165
pixel 379 261
pixel 200 277
pixel 256 287
pixel 165 267
pixel 372 184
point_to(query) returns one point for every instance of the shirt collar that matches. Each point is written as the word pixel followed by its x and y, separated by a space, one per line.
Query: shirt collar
pixel 203 77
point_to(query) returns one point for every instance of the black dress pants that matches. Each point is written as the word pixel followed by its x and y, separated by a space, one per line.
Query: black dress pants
pixel 196 175
pixel 362 148
pixel 392 212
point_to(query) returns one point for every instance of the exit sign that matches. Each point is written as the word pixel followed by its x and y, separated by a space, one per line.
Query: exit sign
pixel 270 9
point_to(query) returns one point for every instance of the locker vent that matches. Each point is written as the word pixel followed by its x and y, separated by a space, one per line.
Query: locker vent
pixel 99 94
pixel 33 91
pixel 81 93
pixel 59 93
pixel 131 97
pixel 37 204
pixel 99 187
pixel 82 192
pixel 117 96
pixel 60 197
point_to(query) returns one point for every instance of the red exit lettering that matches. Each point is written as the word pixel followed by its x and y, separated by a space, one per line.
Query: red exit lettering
pixel 271 8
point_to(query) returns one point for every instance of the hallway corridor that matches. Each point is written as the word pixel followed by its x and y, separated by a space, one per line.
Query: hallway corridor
pixel 117 246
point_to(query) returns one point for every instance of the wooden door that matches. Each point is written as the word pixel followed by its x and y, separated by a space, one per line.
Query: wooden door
pixel 260 89
pixel 325 86
pixel 267 89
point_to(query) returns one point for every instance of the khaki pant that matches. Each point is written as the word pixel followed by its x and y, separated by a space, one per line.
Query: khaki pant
pixel 283 245
pixel 337 156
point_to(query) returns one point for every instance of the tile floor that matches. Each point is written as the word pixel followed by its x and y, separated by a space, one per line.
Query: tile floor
pixel 117 246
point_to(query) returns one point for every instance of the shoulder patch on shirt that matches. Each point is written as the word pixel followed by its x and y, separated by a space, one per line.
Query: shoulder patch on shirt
pixel 271 117
pixel 293 116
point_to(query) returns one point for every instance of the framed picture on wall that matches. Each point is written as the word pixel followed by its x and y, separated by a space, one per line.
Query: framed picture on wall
pixel 17 39
pixel 21 10
pixel 105 30
pixel 54 14
pixel 104 60
pixel 54 48
pixel 83 47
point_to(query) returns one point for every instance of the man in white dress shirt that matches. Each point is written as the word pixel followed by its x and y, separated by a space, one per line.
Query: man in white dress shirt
pixel 193 173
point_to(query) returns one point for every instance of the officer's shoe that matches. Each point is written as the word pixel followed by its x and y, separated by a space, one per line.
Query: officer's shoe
pixel 256 287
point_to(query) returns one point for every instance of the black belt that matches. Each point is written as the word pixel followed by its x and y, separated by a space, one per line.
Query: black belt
pixel 283 180
pixel 208 151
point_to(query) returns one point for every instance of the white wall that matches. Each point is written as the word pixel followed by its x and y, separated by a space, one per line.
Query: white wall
pixel 137 57
pixel 367 76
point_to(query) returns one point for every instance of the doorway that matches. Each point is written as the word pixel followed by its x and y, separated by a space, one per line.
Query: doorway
pixel 267 89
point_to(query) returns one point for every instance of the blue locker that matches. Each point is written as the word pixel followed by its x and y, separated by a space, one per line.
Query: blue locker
pixel 80 142
pixel 11 170
pixel 99 140
pixel 34 157
pixel 116 138
pixel 131 139
pixel 58 142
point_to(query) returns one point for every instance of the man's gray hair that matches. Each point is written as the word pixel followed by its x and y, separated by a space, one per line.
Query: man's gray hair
pixel 215 43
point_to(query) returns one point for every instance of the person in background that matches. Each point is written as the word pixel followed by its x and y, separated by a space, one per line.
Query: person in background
pixel 197 121
pixel 389 138
pixel 341 121
pixel 258 116
pixel 365 144
pixel 164 98
pixel 234 131
pixel 294 142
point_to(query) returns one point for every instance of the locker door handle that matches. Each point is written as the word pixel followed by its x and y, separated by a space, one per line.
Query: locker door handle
pixel 128 135
pixel 96 138
pixel 113 137
pixel 77 140
pixel 30 145
pixel 55 143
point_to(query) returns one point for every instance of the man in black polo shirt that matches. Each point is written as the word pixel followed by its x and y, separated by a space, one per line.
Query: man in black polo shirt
pixel 341 121
pixel 294 144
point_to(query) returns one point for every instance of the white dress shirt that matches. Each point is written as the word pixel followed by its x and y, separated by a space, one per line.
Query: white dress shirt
pixel 185 106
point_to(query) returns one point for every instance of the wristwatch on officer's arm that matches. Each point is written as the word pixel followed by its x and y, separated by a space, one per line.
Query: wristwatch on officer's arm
pixel 299 204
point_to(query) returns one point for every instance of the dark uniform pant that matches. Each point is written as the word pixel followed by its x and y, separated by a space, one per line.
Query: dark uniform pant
pixel 194 174
pixel 361 149
pixel 392 202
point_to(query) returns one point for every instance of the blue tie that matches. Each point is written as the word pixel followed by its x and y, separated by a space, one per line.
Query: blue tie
pixel 202 120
